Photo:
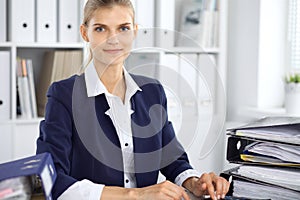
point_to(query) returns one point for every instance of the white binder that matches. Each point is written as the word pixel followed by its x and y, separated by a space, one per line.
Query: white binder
pixel 5 83
pixel 22 20
pixel 68 19
pixel 145 20
pixel 81 13
pixel 3 20
pixel 165 23
pixel 46 20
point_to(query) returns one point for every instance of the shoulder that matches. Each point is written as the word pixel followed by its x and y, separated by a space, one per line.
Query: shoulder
pixel 144 81
pixel 63 87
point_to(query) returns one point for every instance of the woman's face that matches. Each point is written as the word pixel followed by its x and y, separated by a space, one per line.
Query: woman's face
pixel 110 32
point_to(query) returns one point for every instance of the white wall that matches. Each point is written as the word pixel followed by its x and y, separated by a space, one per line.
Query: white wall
pixel 256 46
pixel 272 41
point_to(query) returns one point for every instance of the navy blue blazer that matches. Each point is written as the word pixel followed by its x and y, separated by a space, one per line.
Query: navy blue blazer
pixel 84 143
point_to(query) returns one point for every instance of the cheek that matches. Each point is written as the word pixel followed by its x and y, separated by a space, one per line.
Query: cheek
pixel 96 40
pixel 126 40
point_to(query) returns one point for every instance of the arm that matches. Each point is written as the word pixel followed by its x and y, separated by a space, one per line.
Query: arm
pixel 162 191
pixel 56 136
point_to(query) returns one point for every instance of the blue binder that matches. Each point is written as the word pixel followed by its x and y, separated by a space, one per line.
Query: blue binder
pixel 40 166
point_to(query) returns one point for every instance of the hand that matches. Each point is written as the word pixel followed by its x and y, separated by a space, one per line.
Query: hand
pixel 211 184
pixel 162 191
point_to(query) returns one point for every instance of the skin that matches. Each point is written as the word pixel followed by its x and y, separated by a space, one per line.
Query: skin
pixel 110 33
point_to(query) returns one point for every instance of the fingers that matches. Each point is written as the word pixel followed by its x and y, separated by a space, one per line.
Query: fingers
pixel 214 185
pixel 172 191
pixel 221 186
pixel 206 186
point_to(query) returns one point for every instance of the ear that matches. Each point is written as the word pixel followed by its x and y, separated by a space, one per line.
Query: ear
pixel 83 31
pixel 135 29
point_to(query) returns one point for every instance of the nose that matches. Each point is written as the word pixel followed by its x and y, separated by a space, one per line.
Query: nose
pixel 113 39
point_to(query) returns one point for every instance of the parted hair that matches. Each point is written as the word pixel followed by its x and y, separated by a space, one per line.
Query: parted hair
pixel 92 5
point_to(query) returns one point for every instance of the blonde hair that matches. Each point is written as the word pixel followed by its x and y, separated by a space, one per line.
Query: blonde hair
pixel 91 6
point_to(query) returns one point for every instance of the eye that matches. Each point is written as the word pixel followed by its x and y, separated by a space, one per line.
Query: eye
pixel 124 28
pixel 99 29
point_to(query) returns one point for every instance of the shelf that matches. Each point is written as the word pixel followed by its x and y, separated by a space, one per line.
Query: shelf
pixel 50 45
pixel 177 50
pixel 43 45
pixel 193 50
pixel 28 121
pixel 5 44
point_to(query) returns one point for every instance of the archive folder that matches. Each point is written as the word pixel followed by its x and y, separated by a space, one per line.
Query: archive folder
pixel 165 31
pixel 288 178
pixel 248 188
pixel 145 21
pixel 5 83
pixel 46 20
pixel 22 20
pixel 3 20
pixel 39 168
pixel 68 19
pixel 280 129
pixel 241 150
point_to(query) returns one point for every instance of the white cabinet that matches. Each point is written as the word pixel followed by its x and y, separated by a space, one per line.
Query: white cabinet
pixel 5 142
pixel 193 77
pixel 25 135
pixel 18 136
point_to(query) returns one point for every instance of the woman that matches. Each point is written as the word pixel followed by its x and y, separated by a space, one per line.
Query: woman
pixel 107 130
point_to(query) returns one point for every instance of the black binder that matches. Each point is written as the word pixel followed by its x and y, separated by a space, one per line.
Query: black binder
pixel 260 169
pixel 236 146
pixel 273 187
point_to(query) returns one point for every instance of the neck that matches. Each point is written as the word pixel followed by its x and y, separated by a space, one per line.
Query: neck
pixel 113 79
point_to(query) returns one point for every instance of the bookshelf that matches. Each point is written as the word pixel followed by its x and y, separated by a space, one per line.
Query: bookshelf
pixel 19 135
pixel 31 42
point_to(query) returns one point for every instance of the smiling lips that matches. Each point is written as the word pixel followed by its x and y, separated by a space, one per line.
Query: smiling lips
pixel 113 51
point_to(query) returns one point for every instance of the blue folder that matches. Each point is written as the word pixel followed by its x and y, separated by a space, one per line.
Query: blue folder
pixel 39 166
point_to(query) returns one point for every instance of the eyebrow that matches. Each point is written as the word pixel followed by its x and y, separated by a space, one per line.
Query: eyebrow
pixel 124 24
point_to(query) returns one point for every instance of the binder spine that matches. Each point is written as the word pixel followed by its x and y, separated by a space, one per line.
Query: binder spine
pixel 68 18
pixel 5 81
pixel 3 17
pixel 46 21
pixel 22 20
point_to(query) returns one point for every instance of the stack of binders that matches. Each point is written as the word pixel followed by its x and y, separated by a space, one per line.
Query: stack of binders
pixel 267 152
pixel 29 178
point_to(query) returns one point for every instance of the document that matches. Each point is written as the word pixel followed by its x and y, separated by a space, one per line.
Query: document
pixel 254 190
pixel 245 150
pixel 285 133
pixel 269 121
pixel 280 129
pixel 16 188
pixel 284 177
pixel 282 152
pixel 24 89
